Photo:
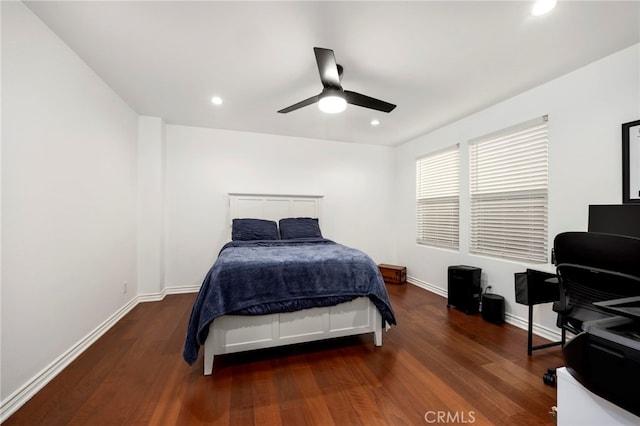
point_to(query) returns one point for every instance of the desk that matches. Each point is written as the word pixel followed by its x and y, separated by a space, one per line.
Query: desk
pixel 530 347
pixel 533 288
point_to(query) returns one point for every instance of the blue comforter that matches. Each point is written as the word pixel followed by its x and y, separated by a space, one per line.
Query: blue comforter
pixel 262 277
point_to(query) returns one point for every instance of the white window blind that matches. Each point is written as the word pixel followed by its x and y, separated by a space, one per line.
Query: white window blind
pixel 437 199
pixel 508 189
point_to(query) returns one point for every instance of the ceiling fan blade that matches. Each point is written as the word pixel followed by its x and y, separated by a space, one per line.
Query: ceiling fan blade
pixel 300 104
pixel 368 102
pixel 327 67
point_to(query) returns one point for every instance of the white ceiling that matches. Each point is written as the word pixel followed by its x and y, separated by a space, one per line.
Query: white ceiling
pixel 438 61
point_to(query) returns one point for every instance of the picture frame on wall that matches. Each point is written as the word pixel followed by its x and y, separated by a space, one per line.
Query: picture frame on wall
pixel 631 162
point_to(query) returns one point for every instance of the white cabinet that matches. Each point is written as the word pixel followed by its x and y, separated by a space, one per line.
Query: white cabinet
pixel 580 407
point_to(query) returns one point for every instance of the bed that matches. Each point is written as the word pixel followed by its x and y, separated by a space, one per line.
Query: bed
pixel 294 286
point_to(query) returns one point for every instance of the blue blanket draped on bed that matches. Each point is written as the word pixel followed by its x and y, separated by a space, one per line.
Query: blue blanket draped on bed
pixel 263 277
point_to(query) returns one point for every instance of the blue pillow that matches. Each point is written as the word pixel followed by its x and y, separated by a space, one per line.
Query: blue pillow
pixel 299 227
pixel 253 229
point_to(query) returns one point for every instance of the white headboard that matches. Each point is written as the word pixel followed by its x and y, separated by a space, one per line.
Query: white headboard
pixel 273 206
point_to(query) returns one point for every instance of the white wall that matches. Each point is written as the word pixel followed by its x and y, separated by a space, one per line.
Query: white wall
pixel 69 152
pixel 586 109
pixel 151 165
pixel 204 165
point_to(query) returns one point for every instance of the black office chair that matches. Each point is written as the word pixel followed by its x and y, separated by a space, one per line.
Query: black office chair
pixel 593 267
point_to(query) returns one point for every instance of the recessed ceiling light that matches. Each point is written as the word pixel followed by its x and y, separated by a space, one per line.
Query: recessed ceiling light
pixel 543 6
pixel 216 100
pixel 375 122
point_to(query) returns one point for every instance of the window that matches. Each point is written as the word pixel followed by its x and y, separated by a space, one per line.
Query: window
pixel 508 189
pixel 437 199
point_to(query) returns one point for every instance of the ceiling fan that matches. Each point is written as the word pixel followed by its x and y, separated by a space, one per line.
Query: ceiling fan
pixel 333 98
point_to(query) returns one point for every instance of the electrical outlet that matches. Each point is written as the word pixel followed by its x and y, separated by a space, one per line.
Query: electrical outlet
pixel 124 287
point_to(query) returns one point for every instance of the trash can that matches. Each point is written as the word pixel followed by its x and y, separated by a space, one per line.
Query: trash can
pixel 493 308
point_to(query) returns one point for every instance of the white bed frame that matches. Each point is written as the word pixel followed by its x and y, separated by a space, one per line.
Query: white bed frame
pixel 236 333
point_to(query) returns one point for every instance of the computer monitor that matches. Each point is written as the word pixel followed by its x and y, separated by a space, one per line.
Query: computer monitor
pixel 623 219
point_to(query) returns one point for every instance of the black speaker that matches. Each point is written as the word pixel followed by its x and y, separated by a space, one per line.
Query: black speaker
pixel 463 288
pixel 493 308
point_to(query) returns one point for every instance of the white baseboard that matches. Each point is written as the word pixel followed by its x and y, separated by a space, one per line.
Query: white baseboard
pixel 18 398
pixel 152 297
pixel 427 286
pixel 183 289
pixel 156 297
pixel 539 330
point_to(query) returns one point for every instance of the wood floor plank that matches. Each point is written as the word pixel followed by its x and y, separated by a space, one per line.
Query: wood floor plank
pixel 436 362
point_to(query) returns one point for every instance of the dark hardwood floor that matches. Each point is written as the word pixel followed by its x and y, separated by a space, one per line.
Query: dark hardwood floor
pixel 439 363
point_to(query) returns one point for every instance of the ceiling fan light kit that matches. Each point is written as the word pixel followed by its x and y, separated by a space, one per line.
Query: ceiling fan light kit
pixel 333 99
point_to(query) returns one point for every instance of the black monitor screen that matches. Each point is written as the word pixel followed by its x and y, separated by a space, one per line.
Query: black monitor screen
pixel 621 219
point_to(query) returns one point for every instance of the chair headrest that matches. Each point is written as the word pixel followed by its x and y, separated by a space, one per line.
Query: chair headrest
pixel 607 252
